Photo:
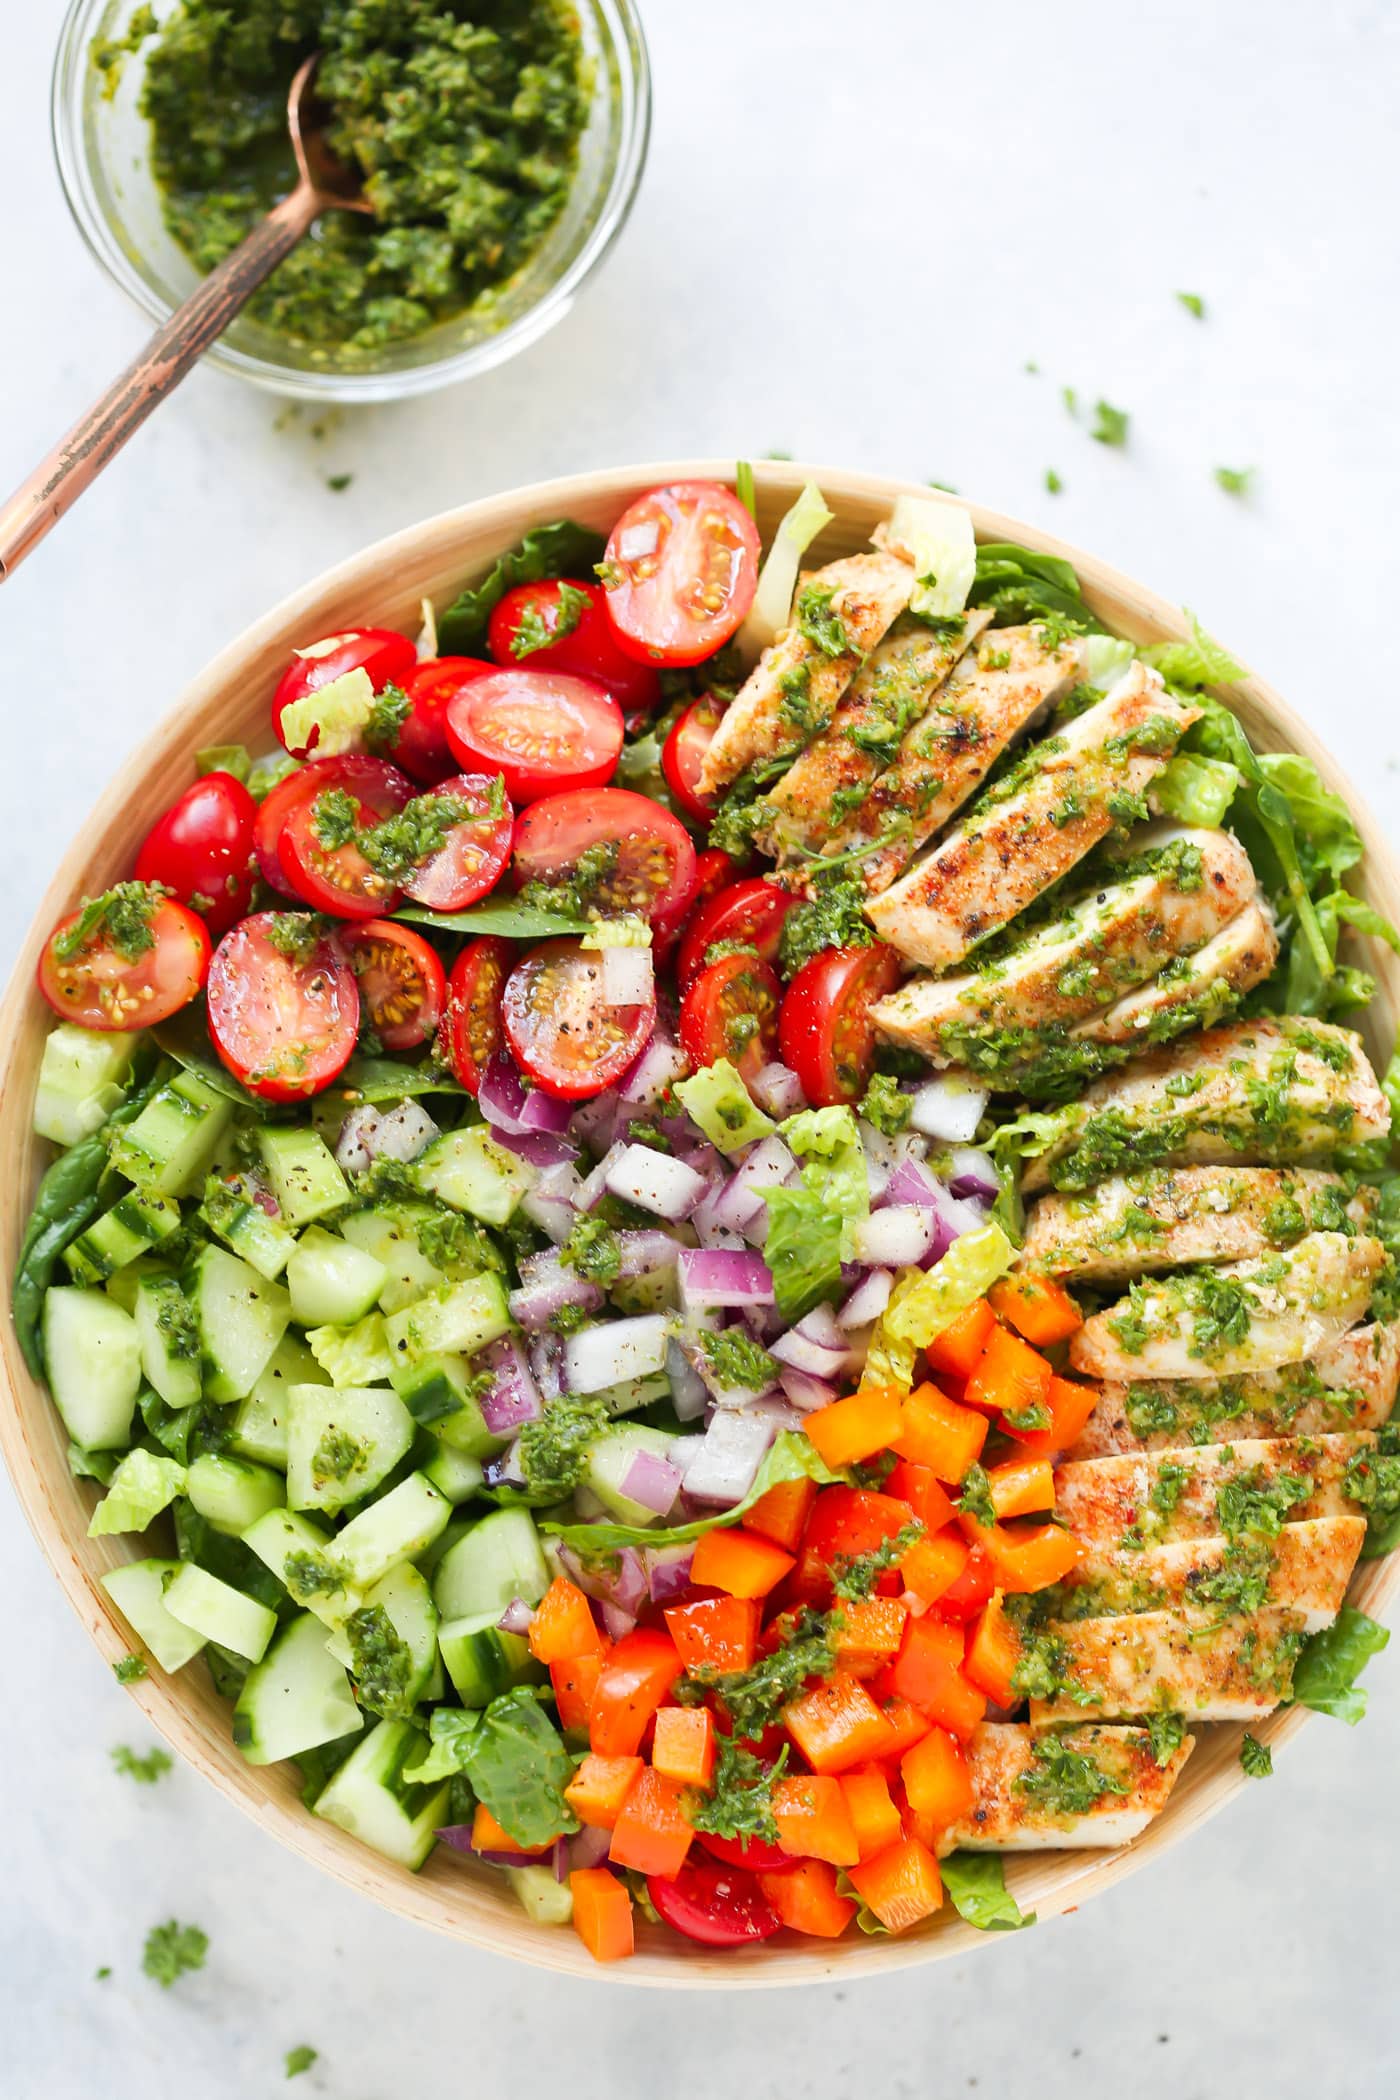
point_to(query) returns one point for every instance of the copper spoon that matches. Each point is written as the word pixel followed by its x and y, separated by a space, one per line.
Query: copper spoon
pixel 323 185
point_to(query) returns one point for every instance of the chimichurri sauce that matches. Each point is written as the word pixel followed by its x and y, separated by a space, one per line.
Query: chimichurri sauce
pixel 463 118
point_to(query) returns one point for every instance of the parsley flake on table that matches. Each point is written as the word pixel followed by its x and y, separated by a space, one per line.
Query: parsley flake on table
pixel 1110 425
pixel 1234 480
pixel 1053 482
pixel 145 1770
pixel 1256 1758
pixel 172 1949
pixel 300 2059
pixel 1194 304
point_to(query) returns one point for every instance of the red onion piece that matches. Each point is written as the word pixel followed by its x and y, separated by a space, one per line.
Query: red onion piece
pixel 516 1618
pixel 725 1461
pixel 868 1300
pixel 657 1068
pixel 538 1148
pixel 514 1397
pixel 778 1091
pixel 594 1123
pixel 972 1173
pixel 723 1277
pixel 668 1571
pixel 546 1287
pixel 897 1236
pixel 820 1325
pixel 948 1109
pixel 620 1580
pixel 617 1622
pixel 805 1391
pixel 654 1181
pixel 645 1253
pixel 594 1185
pixel 690 1395
pixel 547 1364
pixel 586 1848
pixel 652 1481
pixel 813 1357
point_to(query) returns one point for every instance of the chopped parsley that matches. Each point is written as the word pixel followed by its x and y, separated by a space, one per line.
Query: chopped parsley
pixel 383 1662
pixel 534 631
pixel 1256 1758
pixel 832 917
pixel 172 1950
pixel 737 1361
pixel 392 708
pixel 975 1499
pixel 588 889
pixel 1064 1781
pixel 120 918
pixel 309 1575
pixel 296 934
pixel 1166 1733
pixel 337 1455
pixel 1258 1502
pixel 819 625
pixel 754 1698
pixel 1110 425
pixel 739 1803
pixel 1053 483
pixel 1194 304
pixel 1372 1479
pixel 854 1577
pixel 593 1251
pixel 885 1107
pixel 418 831
pixel 1234 480
pixel 553 1449
pixel 130 1670
pixel 335 818
pixel 144 1770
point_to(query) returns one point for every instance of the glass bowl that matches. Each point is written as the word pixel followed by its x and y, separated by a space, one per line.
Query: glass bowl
pixel 100 139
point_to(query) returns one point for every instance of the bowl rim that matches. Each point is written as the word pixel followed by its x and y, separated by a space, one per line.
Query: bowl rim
pixel 500 518
pixel 74 166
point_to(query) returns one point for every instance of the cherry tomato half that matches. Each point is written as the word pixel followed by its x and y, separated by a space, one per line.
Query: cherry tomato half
pixel 826 1032
pixel 753 912
pixel 387 657
pixel 369 780
pixel 285 1026
pixel 731 1010
pixel 587 647
pixel 721 1906
pixel 683 754
pixel 474 852
pixel 541 729
pixel 755 1853
pixel 202 849
pixel 682 568
pixel 471 1032
pixel 332 874
pixel 421 746
pixel 402 985
pixel 714 871
pixel 652 871
pixel 560 1029
pixel 110 980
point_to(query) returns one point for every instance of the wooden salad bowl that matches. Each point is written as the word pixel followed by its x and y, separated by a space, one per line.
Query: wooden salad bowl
pixel 229 702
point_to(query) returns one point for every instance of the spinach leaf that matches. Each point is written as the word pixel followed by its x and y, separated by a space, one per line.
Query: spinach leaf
pixel 451 1732
pixel 517 1764
pixel 791 1458
pixel 186 1039
pixel 976 1882
pixel 560 549
pixel 385 1079
pixel 1327 1670
pixel 503 916
pixel 1021 585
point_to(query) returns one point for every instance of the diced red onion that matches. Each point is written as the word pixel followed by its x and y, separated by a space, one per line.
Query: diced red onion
pixel 690 1395
pixel 516 1618
pixel 354 1150
pixel 538 1148
pixel 896 1237
pixel 599 1357
pixel 821 1325
pixel 657 1068
pixel 547 1364
pixel 594 1185
pixel 948 1109
pixel 972 1173
pixel 777 1409
pixel 621 1579
pixel 586 1848
pixel 501 1096
pixel 546 1287
pixel 764 1322
pixel 653 1181
pixel 911 1182
pixel 652 1481
pixel 509 1859
pixel 778 1091
pixel 505 1470
pixel 806 1392
pixel 868 1300
pixel 555 1218
pixel 725 1461
pixel 645 1253
pixel 668 1571
pixel 594 1123
pixel 713 1276
pixel 514 1397
pixel 617 1622
pixel 405 1132
pixel 627 976
pixel 814 1357
pixel 457 1837
pixel 954 1219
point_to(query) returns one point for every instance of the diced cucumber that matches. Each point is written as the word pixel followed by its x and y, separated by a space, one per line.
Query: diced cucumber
pixel 470 1171
pixel 81 1080
pixel 435 1688
pixel 169 1340
pixel 370 1798
pixel 93 1354
pixel 260 1426
pixel 613 1352
pixel 137 1589
pixel 655 1291
pixel 169 1146
pixel 295 1699
pixel 458 1318
pixel 633 1393
pixel 123 1286
pixel 400 1526
pixel 358 1355
pixel 481 1660
pixel 405 1598
pixel 231 1214
pixel 281 1537
pixel 240 1316
pixel 305 1178
pixel 388 1233
pixel 609 1458
pixel 456 1527
pixel 332 1283
pixel 342 1441
pixel 221 1613
pixel 498 1560
pixel 129 1228
pixel 437 1391
pixel 453 1473
pixel 544 1898
pixel 232 1493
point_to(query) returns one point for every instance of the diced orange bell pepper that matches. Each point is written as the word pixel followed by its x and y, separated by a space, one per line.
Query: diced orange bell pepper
pixel 1028 1557
pixel 906 1724
pixel 872 1628
pixel 993 1651
pixel 936 1781
pixel 920 1487
pixel 600 1786
pixel 739 1562
pixel 652 1833
pixel 1023 1487
pixel 969 1591
pixel 715 1633
pixel 961 1343
pixel 574 1683
pixel 806 1898
pixel 563 1627
pixel 489 1836
pixel 1070 1406
pixel 858 1427
pixel 1037 1307
pixel 1008 1377
pixel 813 1819
pixel 602 1913
pixel 837 1724
pixel 939 1434
pixel 683 1747
pixel 874 1817
pixel 926 1673
pixel 931 1566
pixel 781 1514
pixel 901 1885
pixel 634 1680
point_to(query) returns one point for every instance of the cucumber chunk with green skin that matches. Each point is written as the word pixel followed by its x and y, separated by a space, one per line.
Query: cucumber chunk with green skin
pixel 456 1320
pixel 295 1699
pixel 81 1080
pixel 369 1797
pixel 131 1227
pixel 232 1493
pixel 497 1561
pixel 389 1234
pixel 610 1458
pixel 168 1148
pixel 481 1660
pixel 138 1590
pixel 398 1527
pixel 453 1473
pixel 468 1170
pixel 437 1391
pixel 305 1178
pixel 544 1899
pixel 93 1354
pixel 169 1340
pixel 245 1227
pixel 240 1318
pixel 342 1441
pixel 260 1425
pixel 221 1613
pixel 332 1284
pixel 391 1680
pixel 305 1562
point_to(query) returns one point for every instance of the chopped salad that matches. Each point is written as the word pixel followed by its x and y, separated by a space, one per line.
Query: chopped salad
pixel 719 1230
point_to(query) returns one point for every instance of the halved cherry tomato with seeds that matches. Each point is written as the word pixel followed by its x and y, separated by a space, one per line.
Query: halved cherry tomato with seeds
pixel 402 985
pixel 471 1031
pixel 683 754
pixel 202 850
pixel 329 873
pixel 284 1023
pixel 731 1011
pixel 752 912
pixel 382 787
pixel 826 1033
pixel 564 626
pixel 421 746
pixel 755 1854
pixel 681 572
pixel 560 1029
pixel 129 966
pixel 718 1905
pixel 387 657
pixel 472 857
pixel 543 730
pixel 622 851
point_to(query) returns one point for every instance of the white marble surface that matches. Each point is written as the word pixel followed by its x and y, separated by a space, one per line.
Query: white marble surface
pixel 857 226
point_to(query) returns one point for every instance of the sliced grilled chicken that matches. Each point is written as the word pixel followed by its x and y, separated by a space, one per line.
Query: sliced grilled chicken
pixel 1276 1308
pixel 1305 1569
pixel 890 694
pixel 1138 1224
pixel 1111 937
pixel 1199 1663
pixel 1035 824
pixel 1194 991
pixel 1267 1090
pixel 1157 1496
pixel 1352 1385
pixel 795 687
pixel 1021 1808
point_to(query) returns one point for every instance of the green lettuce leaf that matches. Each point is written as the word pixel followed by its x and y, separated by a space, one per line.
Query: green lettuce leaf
pixel 503 916
pixel 937 1295
pixel 1192 666
pixel 791 1458
pixel 1196 790
pixel 976 1882
pixel 518 1766
pixel 1331 1662
pixel 142 1486
pixel 809 1226
pixel 1021 585
pixel 560 549
pixel 451 1733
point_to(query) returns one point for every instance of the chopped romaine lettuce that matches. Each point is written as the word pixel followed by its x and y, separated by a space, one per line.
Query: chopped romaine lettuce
pixel 1196 790
pixel 142 1486
pixel 334 717
pixel 778 577
pixel 939 539
pixel 717 1102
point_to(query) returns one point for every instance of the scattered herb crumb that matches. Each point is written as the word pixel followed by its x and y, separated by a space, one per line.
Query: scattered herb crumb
pixel 130 1669
pixel 946 486
pixel 1234 480
pixel 777 455
pixel 1052 481
pixel 1110 424
pixel 171 1949
pixel 1194 304
pixel 101 1975
pixel 1256 1758
pixel 1070 399
pixel 1032 367
pixel 145 1770
pixel 337 482
pixel 300 2059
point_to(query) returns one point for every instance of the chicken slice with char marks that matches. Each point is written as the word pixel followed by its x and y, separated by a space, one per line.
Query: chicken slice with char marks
pixel 1197 990
pixel 1305 1569
pixel 1019 1809
pixel 1156 1496
pixel 1199 1663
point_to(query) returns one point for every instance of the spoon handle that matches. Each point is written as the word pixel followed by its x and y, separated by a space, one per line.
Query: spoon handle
pixel 39 503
